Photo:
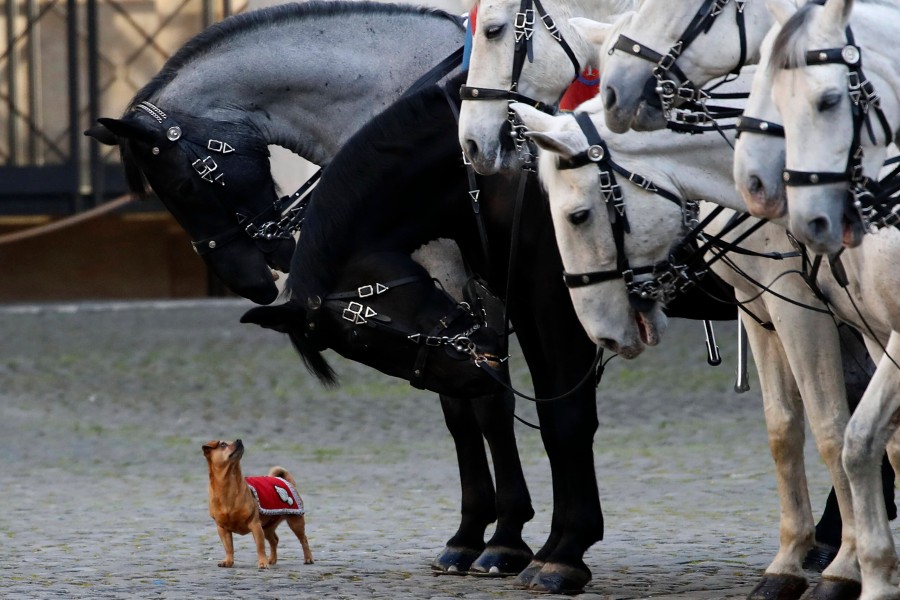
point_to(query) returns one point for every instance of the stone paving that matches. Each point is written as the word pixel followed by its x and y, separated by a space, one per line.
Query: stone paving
pixel 103 484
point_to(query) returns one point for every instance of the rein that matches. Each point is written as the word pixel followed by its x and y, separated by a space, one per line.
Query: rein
pixel 682 102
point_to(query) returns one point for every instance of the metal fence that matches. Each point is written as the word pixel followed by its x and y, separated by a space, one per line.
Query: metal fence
pixel 63 63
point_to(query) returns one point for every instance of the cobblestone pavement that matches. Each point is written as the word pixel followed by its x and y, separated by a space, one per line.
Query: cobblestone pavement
pixel 103 484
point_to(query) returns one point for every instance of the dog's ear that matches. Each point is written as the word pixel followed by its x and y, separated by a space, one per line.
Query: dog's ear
pixel 209 447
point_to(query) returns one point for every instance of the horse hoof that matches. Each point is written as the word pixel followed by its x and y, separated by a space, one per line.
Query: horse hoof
pixel 560 579
pixel 779 587
pixel 523 579
pixel 454 561
pixel 834 588
pixel 500 561
pixel 819 557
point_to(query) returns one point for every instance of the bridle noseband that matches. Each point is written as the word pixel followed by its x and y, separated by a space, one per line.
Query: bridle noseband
pixel 668 278
pixel 668 88
pixel 864 101
pixel 524 32
pixel 270 224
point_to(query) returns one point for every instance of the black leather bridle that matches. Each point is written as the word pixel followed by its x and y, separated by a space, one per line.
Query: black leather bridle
pixel 667 277
pixel 524 32
pixel 668 88
pixel 271 223
pixel 352 306
pixel 864 101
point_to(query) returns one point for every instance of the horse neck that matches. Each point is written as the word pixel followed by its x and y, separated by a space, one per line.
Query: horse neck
pixel 875 29
pixel 316 80
pixel 695 167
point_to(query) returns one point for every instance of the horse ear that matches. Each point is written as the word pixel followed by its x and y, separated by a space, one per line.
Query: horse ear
pixel 126 128
pixel 103 135
pixel 558 142
pixel 782 10
pixel 533 118
pixel 284 318
pixel 596 32
pixel 837 13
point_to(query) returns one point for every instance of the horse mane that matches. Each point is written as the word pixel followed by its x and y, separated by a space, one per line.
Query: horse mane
pixel 265 17
pixel 404 142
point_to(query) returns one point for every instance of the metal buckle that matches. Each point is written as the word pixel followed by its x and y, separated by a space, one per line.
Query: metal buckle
pixel 641 181
pixel 550 24
pixel 364 291
pixel 524 25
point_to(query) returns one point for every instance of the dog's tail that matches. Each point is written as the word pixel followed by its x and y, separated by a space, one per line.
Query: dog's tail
pixel 283 473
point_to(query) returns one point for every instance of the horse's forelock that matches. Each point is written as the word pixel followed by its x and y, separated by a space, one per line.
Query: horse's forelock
pixel 789 47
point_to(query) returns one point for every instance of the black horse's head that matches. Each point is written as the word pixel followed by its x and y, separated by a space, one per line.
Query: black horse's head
pixel 214 177
pixel 387 313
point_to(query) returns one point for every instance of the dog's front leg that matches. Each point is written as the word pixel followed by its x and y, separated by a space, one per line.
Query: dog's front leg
pixel 228 542
pixel 259 537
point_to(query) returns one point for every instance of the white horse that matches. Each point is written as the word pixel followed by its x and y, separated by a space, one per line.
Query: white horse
pixel 706 39
pixel 794 374
pixel 549 61
pixel 824 130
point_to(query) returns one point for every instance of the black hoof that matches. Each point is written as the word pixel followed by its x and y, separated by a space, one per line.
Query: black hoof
pixel 779 587
pixel 832 588
pixel 523 579
pixel 500 561
pixel 555 578
pixel 454 561
pixel 819 557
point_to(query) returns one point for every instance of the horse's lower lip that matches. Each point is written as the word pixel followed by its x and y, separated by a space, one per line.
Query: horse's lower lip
pixel 647 331
pixel 275 275
pixel 852 234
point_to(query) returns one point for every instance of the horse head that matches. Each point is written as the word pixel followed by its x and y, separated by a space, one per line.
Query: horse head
pixel 612 246
pixel 385 311
pixel 664 53
pixel 835 113
pixel 214 177
pixel 522 51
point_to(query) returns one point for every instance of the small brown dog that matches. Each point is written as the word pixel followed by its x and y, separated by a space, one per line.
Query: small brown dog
pixel 254 504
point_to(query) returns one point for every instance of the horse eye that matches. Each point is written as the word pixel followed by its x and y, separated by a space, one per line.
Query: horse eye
pixel 829 100
pixel 579 216
pixel 493 31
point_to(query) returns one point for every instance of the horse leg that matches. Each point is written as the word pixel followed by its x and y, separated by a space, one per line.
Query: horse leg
pixel 784 578
pixel 506 552
pixel 567 430
pixel 858 370
pixel 870 428
pixel 478 497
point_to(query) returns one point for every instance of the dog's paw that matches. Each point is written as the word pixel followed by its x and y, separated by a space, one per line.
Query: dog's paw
pixel 263 564
pixel 226 563
pixel 309 562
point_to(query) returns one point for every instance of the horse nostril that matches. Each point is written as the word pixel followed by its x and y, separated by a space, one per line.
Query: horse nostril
pixel 609 98
pixel 755 185
pixel 471 149
pixel 819 227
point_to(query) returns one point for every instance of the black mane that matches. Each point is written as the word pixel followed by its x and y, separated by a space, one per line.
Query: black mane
pixel 407 156
pixel 267 17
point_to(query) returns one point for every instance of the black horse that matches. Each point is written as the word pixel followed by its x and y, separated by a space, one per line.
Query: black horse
pixel 400 182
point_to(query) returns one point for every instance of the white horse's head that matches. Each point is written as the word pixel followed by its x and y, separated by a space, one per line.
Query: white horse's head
pixel 550 56
pixel 759 149
pixel 824 127
pixel 611 316
pixel 709 50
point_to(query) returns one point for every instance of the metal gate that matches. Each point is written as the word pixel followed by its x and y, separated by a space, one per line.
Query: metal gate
pixel 63 63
